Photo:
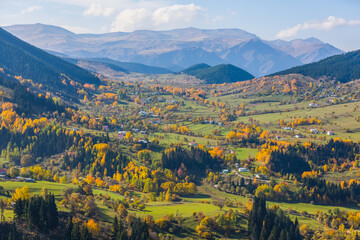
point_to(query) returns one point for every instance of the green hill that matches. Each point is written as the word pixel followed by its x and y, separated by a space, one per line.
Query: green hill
pixel 223 73
pixel 22 59
pixel 342 68
pixel 194 69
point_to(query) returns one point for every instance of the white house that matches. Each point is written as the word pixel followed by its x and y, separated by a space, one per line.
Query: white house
pixel 330 133
pixel 243 169
pixel 313 131
pixel 313 105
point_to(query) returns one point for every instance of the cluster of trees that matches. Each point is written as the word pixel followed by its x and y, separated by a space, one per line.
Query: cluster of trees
pixel 227 223
pixel 160 181
pixel 234 185
pixel 289 162
pixel 28 102
pixel 139 229
pixel 321 191
pixel 38 142
pixel 194 160
pixel 301 121
pixel 271 224
pixel 286 158
pixel 38 212
pixel 77 230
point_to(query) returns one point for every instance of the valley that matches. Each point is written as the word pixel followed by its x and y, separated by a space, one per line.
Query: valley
pixel 95 148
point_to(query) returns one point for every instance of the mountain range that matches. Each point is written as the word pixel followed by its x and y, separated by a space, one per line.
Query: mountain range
pixel 179 48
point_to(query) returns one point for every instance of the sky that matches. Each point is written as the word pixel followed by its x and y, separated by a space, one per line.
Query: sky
pixel 333 21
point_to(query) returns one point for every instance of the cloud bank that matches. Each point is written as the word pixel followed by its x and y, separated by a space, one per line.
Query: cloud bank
pixel 167 17
pixel 98 10
pixel 329 23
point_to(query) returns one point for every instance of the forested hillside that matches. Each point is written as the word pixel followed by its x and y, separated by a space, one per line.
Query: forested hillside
pixel 342 68
pixel 224 73
pixel 28 62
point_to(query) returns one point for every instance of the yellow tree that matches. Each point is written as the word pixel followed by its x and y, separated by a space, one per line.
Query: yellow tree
pixel 21 193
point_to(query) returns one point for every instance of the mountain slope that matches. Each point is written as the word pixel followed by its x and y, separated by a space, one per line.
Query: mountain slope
pixel 179 59
pixel 306 50
pixel 343 68
pixel 22 59
pixel 224 73
pixel 259 58
pixel 96 66
pixel 134 67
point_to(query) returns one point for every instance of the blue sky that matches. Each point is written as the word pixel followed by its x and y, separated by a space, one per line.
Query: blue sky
pixel 334 21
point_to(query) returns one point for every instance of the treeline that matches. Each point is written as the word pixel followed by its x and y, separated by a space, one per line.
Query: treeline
pixel 194 160
pixel 271 224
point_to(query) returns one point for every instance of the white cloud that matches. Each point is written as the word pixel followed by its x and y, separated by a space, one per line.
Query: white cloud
pixel 167 17
pixel 31 9
pixel 98 10
pixel 329 23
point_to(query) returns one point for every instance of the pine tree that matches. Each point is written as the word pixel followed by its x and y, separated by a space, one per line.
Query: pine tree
pixel 69 227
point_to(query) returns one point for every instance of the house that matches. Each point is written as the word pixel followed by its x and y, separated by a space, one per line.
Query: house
pixel 288 128
pixel 122 133
pixel 243 169
pixel 330 133
pixel 260 176
pixel 277 137
pixel 313 105
pixel 193 144
pixel 3 172
pixel 313 131
pixel 298 136
pixel 225 171
pixel 3 177
pixel 143 113
pixel 105 128
pixel 135 130
pixel 29 180
pixel 143 132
